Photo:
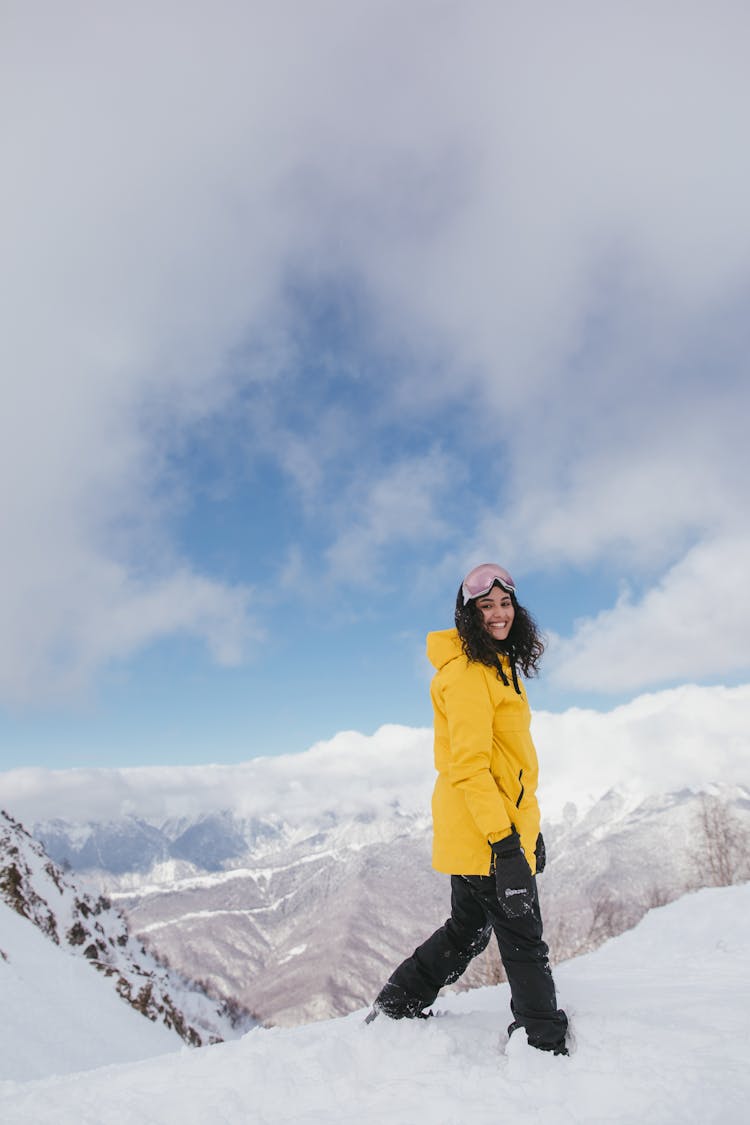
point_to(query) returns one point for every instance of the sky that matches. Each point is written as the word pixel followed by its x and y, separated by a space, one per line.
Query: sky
pixel 636 1008
pixel 310 308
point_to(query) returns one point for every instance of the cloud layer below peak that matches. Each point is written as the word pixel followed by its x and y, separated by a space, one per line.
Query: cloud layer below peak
pixel 691 737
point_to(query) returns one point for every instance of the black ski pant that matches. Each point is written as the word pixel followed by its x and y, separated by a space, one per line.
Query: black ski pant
pixel 475 913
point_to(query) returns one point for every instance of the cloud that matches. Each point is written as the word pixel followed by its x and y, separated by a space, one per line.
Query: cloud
pixel 67 639
pixel 543 209
pixel 400 506
pixel 348 775
pixel 694 624
pixel 137 247
pixel 688 737
pixel 636 494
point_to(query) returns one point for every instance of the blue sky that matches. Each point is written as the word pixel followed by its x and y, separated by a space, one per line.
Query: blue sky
pixel 334 302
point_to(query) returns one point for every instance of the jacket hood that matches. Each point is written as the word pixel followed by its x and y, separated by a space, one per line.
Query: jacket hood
pixel 443 646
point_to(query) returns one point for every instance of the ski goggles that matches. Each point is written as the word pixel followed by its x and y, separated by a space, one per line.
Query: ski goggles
pixel 482 578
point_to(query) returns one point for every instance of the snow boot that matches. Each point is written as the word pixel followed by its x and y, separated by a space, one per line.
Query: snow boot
pixel 558 1048
pixel 397 1004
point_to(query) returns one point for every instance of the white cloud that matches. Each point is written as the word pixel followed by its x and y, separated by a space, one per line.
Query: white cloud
pixel 349 774
pixel 688 737
pixel 134 249
pixel 694 624
pixel 63 636
pixel 526 181
pixel 403 505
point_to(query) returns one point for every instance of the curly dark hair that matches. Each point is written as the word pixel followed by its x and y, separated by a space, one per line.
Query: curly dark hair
pixel 523 647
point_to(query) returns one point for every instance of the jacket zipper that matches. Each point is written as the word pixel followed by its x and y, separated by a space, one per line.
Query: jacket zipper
pixel 523 790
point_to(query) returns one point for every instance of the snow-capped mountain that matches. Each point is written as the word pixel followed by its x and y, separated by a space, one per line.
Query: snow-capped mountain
pixel 299 924
pixel 89 929
pixel 133 845
pixel 299 921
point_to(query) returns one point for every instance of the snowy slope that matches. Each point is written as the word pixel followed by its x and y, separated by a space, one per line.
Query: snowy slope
pixel 50 904
pixel 58 1016
pixel 660 1022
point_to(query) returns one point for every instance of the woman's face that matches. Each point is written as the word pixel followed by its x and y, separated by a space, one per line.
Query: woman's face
pixel 497 613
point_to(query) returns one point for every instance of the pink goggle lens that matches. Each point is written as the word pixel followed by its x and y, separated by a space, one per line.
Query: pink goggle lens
pixel 482 578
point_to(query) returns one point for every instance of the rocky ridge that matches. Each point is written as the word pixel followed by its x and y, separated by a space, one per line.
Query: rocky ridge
pixel 90 927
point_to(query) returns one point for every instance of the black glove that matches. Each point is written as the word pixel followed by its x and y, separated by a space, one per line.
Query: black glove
pixel 541 854
pixel 513 878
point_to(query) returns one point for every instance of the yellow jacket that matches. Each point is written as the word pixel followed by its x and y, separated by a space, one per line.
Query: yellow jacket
pixel 485 758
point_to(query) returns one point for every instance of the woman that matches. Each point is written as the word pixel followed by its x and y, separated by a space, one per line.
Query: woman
pixel 485 813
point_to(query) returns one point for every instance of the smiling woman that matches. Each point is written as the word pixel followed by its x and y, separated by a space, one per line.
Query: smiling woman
pixel 485 813
pixel 490 620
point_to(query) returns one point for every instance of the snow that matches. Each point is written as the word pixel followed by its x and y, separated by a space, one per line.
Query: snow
pixel 92 932
pixel 660 1032
pixel 58 1014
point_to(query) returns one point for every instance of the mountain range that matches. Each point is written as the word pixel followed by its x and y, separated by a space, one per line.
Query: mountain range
pixel 300 922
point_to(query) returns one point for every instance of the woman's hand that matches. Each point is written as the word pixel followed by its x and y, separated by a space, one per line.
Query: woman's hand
pixel 513 878
pixel 540 853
